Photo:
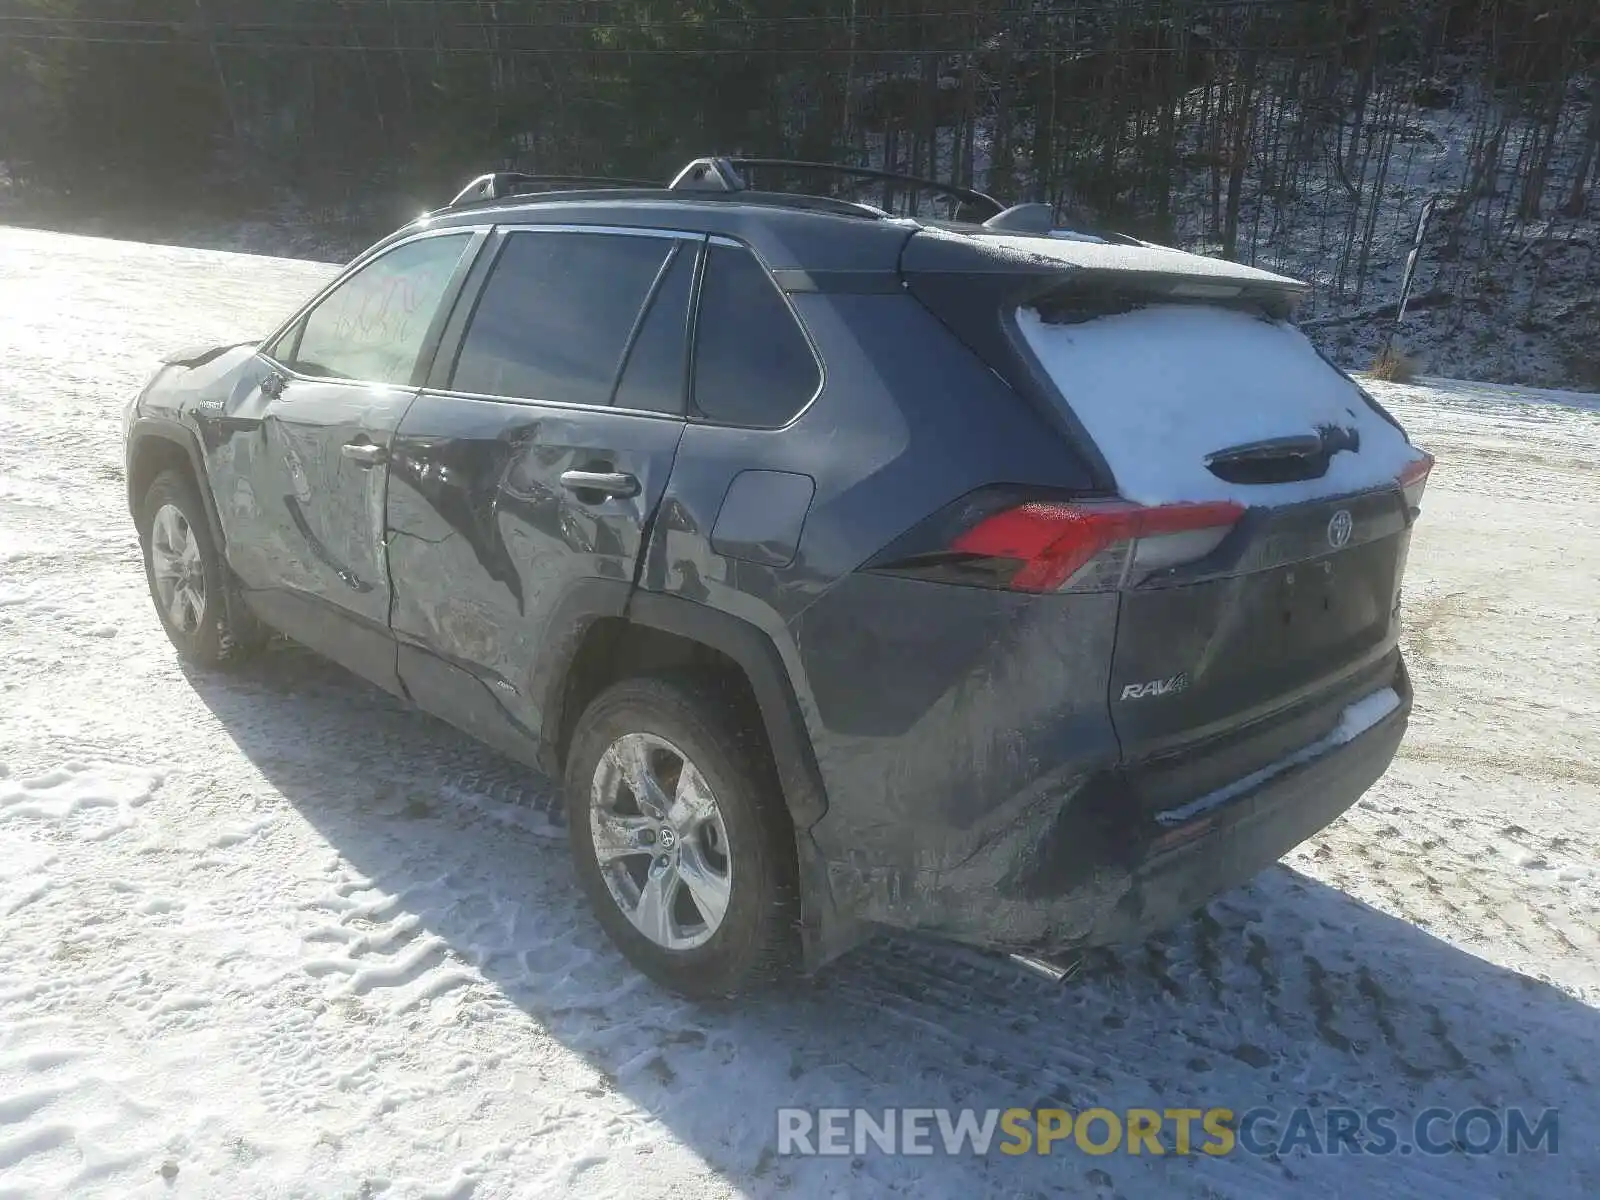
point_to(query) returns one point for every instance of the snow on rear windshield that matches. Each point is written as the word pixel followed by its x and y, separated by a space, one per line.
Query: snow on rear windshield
pixel 1160 388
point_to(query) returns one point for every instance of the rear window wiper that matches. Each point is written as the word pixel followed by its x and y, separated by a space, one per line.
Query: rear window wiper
pixel 1283 459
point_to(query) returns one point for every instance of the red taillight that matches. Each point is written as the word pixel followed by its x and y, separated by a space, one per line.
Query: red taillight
pixel 1414 478
pixel 1090 546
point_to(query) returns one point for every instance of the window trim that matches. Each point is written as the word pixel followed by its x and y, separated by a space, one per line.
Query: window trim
pixel 502 235
pixel 686 359
pixel 477 235
pixel 694 415
pixel 639 318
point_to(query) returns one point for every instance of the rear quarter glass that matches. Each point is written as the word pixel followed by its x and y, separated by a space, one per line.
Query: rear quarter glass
pixel 753 363
pixel 1161 387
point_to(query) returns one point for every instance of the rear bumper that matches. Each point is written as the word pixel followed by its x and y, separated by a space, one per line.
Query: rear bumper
pixel 1086 876
pixel 1234 843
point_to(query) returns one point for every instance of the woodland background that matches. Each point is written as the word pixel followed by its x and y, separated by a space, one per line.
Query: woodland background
pixel 1303 136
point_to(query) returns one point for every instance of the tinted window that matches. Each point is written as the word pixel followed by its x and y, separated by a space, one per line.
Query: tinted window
pixel 372 325
pixel 556 315
pixel 283 348
pixel 753 365
pixel 654 374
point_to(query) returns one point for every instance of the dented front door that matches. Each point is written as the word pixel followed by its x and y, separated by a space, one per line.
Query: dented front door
pixel 331 442
pixel 315 558
pixel 302 456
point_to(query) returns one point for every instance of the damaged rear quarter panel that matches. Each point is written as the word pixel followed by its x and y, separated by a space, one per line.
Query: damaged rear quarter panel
pixel 965 740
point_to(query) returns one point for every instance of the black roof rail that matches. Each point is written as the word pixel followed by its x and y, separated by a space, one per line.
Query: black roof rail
pixel 1023 218
pixel 499 184
pixel 722 174
pixel 708 175
pixel 718 175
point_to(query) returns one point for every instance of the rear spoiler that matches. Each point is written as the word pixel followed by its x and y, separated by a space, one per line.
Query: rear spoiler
pixel 1013 272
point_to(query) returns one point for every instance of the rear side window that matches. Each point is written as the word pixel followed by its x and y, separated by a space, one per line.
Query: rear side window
pixel 653 377
pixel 371 327
pixel 556 315
pixel 753 365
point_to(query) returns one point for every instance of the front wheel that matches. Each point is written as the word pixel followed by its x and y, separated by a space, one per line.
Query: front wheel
pixel 188 579
pixel 680 837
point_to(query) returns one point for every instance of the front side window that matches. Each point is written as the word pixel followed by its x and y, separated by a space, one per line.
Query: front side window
pixel 557 314
pixel 283 348
pixel 753 365
pixel 372 326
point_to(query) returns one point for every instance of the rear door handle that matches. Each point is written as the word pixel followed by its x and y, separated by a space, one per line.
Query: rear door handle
pixel 365 453
pixel 610 483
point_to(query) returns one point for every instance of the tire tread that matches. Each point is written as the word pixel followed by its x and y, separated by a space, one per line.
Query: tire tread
pixel 714 715
pixel 232 635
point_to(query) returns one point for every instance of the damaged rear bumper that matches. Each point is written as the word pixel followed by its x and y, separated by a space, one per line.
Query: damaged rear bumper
pixel 1086 871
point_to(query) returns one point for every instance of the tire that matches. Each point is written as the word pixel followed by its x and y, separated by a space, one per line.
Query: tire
pixel 211 626
pixel 755 941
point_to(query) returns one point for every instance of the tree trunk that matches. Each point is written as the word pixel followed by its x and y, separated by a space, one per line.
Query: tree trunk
pixel 1241 116
pixel 1588 160
pixel 1044 128
pixel 926 132
pixel 1002 174
pixel 216 64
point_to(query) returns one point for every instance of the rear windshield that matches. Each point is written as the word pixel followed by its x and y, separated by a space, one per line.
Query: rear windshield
pixel 1159 388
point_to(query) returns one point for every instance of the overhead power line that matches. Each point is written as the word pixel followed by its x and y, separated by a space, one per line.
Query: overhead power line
pixel 1281 47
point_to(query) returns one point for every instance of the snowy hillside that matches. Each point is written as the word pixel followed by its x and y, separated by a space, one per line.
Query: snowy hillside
pixel 275 935
pixel 1495 297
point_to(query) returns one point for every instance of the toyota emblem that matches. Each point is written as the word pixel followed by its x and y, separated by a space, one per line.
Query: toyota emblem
pixel 1339 528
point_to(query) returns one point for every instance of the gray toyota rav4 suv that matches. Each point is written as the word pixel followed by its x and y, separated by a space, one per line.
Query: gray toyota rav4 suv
pixel 1021 586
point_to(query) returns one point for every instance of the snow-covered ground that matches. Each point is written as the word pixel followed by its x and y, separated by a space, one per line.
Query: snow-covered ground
pixel 272 934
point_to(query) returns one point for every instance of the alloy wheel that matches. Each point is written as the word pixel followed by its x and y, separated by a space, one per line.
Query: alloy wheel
pixel 180 578
pixel 660 841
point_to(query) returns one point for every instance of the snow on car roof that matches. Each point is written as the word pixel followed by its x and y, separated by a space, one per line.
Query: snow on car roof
pixel 1098 255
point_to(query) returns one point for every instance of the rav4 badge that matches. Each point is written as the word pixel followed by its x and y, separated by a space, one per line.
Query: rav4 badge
pixel 1156 687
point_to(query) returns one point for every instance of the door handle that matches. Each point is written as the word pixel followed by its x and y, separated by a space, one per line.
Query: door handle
pixel 610 483
pixel 365 453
